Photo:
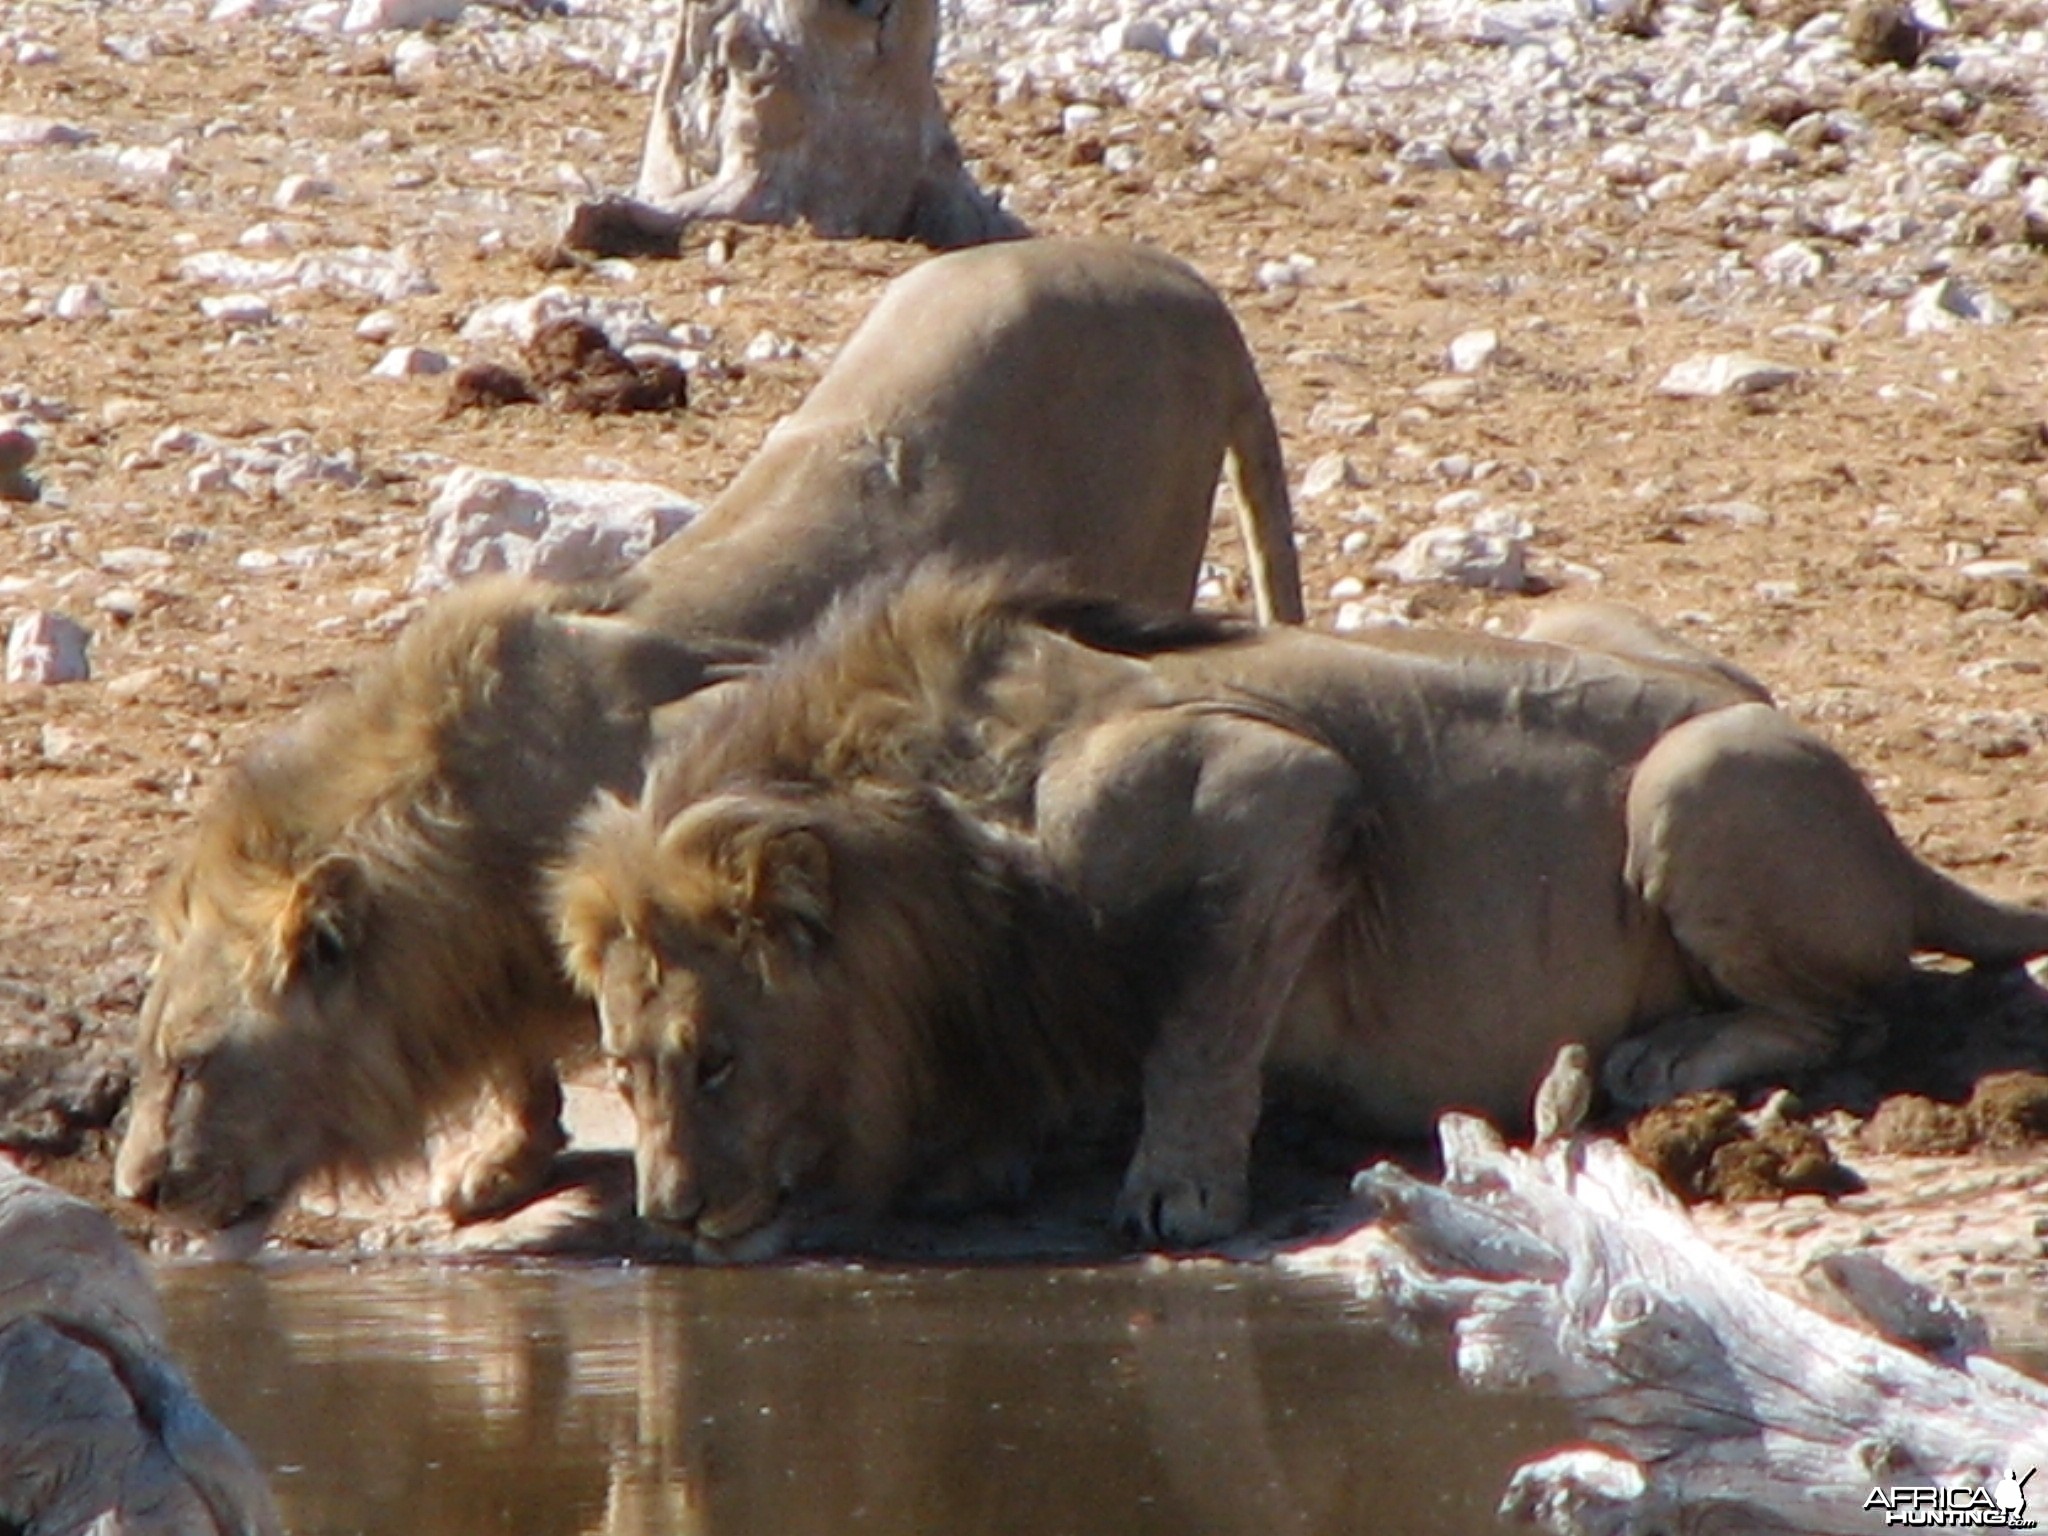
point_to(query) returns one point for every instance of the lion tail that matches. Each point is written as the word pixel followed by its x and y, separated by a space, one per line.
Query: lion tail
pixel 1952 919
pixel 1265 514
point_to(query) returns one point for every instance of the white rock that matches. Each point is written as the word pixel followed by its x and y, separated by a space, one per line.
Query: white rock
pixel 80 301
pixel 1466 557
pixel 1345 588
pixel 1378 612
pixel 1949 302
pixel 768 347
pixel 299 189
pixel 1192 39
pixel 626 322
pixel 1473 350
pixel 378 327
pixel 1736 514
pixel 153 162
pixel 1707 375
pixel 45 647
pixel 563 530
pixel 242 10
pixel 40 133
pixel 267 235
pixel 385 15
pixel 129 559
pixel 1794 264
pixel 1137 34
pixel 309 468
pixel 29 55
pixel 1330 472
pixel 411 363
pixel 243 309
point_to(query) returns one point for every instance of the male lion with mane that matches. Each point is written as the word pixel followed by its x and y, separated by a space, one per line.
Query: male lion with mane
pixel 352 944
pixel 970 857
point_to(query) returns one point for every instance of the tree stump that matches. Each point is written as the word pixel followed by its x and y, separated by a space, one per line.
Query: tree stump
pixel 1712 1402
pixel 99 1430
pixel 784 111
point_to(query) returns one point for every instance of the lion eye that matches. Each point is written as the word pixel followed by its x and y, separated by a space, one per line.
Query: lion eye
pixel 714 1070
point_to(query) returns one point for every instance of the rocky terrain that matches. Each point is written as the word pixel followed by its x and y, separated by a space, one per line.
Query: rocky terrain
pixel 1738 312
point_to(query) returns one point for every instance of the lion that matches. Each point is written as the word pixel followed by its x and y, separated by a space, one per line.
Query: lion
pixel 351 946
pixel 972 859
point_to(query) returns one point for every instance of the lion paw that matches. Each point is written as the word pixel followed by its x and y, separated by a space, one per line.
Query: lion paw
pixel 1163 1210
pixel 504 1172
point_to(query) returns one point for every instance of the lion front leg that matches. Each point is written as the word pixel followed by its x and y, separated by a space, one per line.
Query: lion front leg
pixel 503 1156
pixel 1246 834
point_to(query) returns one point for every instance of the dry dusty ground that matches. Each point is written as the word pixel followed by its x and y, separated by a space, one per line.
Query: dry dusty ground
pixel 1891 462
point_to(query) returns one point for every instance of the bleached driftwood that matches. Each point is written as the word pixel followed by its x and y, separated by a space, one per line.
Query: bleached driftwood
pixel 99 1430
pixel 1714 1402
pixel 776 111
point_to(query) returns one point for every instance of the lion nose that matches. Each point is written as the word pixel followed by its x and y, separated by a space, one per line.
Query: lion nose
pixel 139 1174
pixel 668 1194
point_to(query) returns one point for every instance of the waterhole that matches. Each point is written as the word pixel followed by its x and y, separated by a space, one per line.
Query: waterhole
pixel 444 1401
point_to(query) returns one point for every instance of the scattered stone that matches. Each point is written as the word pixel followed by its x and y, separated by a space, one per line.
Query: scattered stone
pixel 768 347
pixel 378 327
pixel 560 530
pixel 383 276
pixel 239 309
pixel 1473 350
pixel 133 559
pixel 1949 302
pixel 18 132
pixel 1707 376
pixel 1446 395
pixel 626 322
pixel 47 648
pixel 411 363
pixel 387 15
pixel 1492 553
pixel 1331 472
pixel 299 189
pixel 81 301
pixel 1734 514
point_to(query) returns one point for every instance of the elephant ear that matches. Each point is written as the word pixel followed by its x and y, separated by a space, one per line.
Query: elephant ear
pixel 648 668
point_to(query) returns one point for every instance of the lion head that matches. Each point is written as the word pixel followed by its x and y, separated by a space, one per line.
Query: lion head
pixel 351 945
pixel 822 1002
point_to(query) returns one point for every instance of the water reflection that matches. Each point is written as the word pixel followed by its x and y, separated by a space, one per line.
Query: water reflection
pixel 451 1401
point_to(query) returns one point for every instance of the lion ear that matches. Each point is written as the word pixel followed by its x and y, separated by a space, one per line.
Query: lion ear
pixel 324 916
pixel 583 890
pixel 792 887
pixel 777 885
pixel 651 668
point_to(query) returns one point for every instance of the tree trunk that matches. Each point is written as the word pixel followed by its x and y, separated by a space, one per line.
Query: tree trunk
pixel 1712 1402
pixel 780 111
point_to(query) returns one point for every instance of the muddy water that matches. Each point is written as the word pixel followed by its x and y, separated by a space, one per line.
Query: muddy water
pixel 448 1401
